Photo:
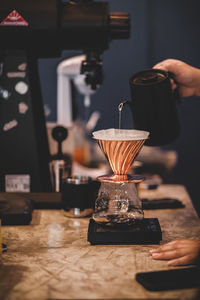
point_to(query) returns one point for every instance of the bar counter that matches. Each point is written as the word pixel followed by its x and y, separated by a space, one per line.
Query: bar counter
pixel 51 258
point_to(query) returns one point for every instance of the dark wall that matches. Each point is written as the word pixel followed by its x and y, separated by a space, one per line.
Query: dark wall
pixel 160 29
pixel 174 30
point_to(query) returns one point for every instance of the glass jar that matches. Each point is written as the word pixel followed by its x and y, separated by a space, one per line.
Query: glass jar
pixel 118 203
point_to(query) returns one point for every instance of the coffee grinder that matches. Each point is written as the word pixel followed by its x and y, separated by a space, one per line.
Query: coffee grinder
pixel 30 30
pixel 40 29
pixel 118 217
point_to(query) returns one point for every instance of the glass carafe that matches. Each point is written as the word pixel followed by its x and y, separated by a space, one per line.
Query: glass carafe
pixel 118 203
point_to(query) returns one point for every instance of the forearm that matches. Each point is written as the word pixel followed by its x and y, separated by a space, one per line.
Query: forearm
pixel 187 78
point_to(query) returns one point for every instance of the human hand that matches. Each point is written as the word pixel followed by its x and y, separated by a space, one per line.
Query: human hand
pixel 178 252
pixel 187 78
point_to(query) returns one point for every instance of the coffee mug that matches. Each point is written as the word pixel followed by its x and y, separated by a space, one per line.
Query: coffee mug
pixel 154 106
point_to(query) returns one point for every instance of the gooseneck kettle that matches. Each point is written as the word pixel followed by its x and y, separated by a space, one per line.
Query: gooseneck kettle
pixel 153 105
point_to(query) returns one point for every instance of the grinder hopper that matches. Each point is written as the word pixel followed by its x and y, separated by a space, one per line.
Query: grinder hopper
pixel 117 201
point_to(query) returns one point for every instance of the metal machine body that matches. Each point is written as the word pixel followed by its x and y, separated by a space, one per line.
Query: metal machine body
pixel 46 27
pixel 30 30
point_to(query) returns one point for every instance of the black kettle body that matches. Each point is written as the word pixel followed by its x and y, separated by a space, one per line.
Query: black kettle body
pixel 154 106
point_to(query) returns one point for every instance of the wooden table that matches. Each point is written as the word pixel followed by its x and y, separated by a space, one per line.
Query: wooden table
pixel 51 258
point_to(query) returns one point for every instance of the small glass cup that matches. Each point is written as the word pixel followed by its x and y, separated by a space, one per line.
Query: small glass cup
pixel 78 196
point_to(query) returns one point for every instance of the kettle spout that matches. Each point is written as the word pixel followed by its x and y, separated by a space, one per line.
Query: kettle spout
pixel 120 107
pixel 122 104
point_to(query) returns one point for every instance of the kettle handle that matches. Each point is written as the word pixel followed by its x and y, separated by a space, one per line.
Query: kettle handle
pixel 175 92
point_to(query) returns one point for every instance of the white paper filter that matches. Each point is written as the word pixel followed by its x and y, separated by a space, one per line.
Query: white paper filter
pixel 120 134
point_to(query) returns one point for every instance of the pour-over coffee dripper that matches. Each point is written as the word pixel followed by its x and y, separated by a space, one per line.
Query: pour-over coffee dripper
pixel 118 202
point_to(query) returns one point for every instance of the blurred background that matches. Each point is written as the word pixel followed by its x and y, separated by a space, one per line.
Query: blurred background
pixel 159 30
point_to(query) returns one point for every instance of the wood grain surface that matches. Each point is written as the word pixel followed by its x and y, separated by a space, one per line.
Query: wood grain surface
pixel 51 258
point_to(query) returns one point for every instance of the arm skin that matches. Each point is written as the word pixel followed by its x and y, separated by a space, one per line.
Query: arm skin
pixel 178 252
pixel 187 78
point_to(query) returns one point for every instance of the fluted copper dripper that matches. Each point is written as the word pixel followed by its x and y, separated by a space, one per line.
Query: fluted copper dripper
pixel 120 146
pixel 121 154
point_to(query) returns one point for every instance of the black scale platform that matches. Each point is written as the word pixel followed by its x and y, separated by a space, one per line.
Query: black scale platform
pixel 146 231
